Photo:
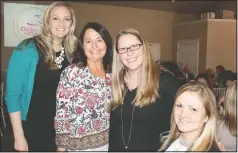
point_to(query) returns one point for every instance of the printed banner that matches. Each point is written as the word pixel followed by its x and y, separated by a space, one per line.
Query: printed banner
pixel 21 21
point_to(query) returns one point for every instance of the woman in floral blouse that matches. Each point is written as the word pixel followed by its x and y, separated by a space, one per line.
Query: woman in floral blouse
pixel 84 90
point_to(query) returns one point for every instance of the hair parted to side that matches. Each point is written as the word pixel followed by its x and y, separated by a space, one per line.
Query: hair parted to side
pixel 147 91
pixel 208 135
pixel 45 39
pixel 80 55
pixel 229 116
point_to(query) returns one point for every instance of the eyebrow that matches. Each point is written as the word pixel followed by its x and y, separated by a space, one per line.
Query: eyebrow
pixel 90 38
pixel 177 102
pixel 58 16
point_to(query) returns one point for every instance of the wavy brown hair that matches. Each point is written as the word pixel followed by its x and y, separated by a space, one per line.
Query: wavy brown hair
pixel 80 55
pixel 208 135
pixel 45 40
pixel 229 116
pixel 148 76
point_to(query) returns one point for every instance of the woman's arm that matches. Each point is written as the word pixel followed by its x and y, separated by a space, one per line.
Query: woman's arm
pixel 20 141
pixel 16 74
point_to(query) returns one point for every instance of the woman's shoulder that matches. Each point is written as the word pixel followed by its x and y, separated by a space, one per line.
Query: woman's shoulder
pixel 24 52
pixel 74 70
pixel 25 44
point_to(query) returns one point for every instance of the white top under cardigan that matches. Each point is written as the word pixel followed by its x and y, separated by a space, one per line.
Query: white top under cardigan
pixel 176 146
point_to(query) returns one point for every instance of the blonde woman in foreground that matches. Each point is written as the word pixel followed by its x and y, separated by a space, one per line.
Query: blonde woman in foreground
pixel 193 121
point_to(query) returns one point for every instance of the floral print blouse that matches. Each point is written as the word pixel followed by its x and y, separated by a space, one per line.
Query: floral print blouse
pixel 82 119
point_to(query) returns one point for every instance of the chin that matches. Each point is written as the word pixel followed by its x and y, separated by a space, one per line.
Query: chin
pixel 133 68
pixel 62 36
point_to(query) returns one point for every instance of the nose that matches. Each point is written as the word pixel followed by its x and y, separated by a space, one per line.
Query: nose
pixel 184 113
pixel 94 44
pixel 129 52
pixel 61 22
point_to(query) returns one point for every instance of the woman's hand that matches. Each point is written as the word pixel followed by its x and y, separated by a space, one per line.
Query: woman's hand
pixel 20 144
pixel 221 101
pixel 59 149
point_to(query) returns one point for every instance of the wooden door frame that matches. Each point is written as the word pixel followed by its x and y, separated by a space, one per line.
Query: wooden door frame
pixel 190 40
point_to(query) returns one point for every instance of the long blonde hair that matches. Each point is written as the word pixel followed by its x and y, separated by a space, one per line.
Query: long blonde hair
pixel 45 40
pixel 208 135
pixel 147 90
pixel 229 117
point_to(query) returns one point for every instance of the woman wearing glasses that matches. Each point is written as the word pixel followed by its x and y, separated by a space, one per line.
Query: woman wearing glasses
pixel 140 96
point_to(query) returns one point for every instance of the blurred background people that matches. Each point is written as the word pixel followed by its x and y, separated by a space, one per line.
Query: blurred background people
pixel 205 79
pixel 187 73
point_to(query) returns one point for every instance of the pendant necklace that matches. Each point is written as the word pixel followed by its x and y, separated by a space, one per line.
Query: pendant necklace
pixel 131 124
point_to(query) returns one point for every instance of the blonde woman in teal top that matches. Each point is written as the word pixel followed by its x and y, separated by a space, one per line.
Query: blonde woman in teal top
pixel 33 74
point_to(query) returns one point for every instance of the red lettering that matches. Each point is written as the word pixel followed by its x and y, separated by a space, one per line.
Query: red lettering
pixel 28 30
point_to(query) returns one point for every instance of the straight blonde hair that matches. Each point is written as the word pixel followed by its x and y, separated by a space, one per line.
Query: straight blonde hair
pixel 229 116
pixel 45 40
pixel 208 135
pixel 147 91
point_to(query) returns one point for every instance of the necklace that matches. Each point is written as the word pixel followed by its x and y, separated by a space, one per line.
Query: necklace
pixel 122 128
pixel 186 143
pixel 59 60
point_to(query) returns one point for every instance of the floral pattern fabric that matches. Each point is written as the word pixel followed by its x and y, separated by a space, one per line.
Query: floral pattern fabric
pixel 81 108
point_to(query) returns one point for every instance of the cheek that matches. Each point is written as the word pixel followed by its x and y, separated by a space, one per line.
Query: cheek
pixel 104 47
pixel 53 23
pixel 68 24
pixel 122 58
pixel 86 47
pixel 176 114
pixel 196 118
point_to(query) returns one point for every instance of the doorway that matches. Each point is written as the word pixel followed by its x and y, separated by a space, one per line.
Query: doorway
pixel 188 53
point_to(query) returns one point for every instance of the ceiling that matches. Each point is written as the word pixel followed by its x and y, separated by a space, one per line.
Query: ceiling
pixel 194 7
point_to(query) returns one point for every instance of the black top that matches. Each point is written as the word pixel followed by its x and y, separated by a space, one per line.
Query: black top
pixel 148 121
pixel 43 100
pixel 39 127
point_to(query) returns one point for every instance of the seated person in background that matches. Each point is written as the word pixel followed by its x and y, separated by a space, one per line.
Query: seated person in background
pixel 226 130
pixel 228 78
pixel 211 75
pixel 193 121
pixel 219 79
pixel 204 78
pixel 188 75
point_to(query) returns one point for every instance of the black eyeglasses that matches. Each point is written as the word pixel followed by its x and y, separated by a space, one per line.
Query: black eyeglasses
pixel 132 48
